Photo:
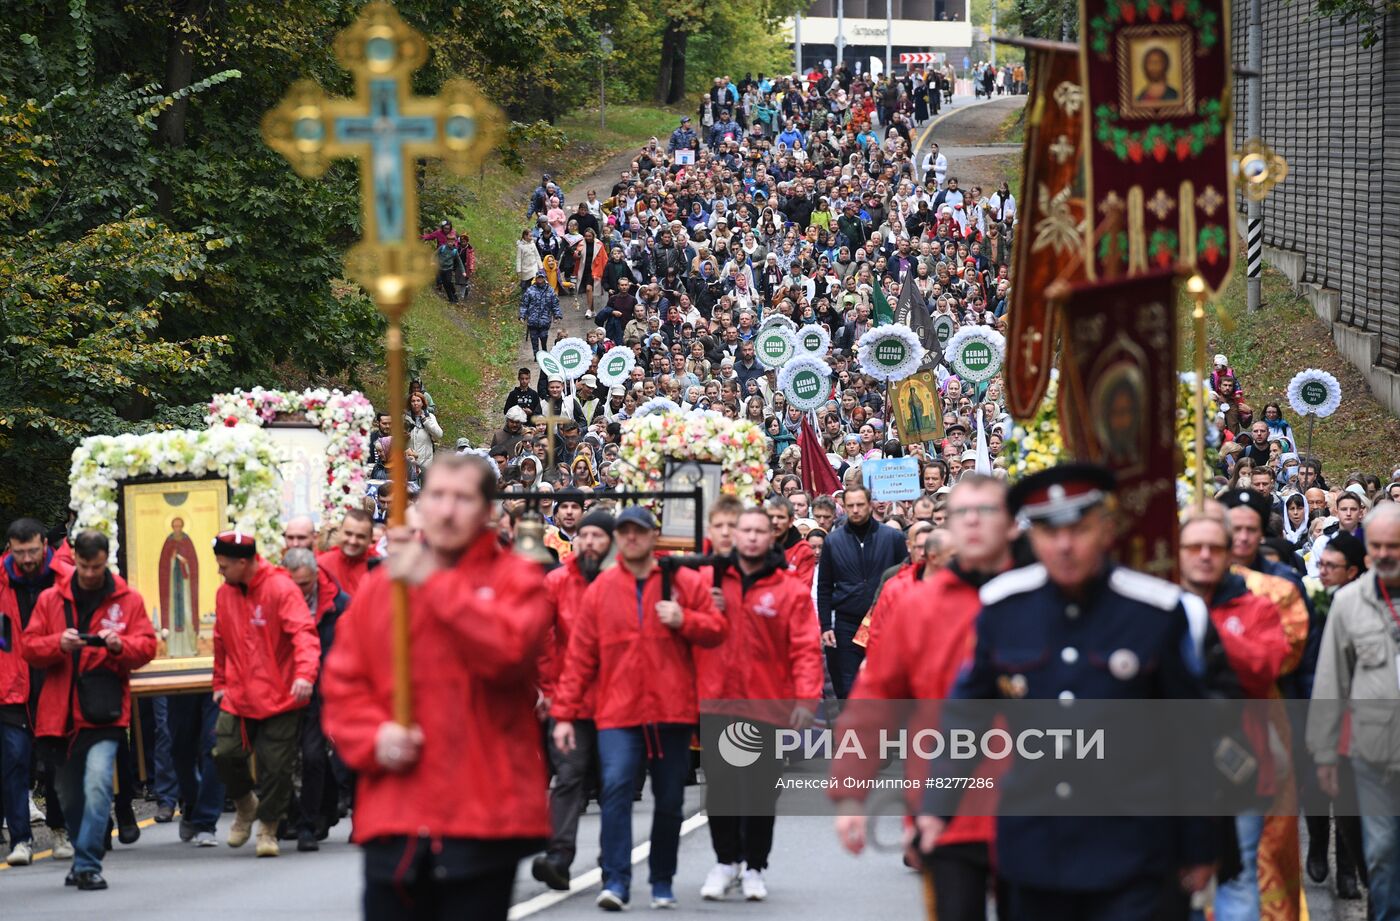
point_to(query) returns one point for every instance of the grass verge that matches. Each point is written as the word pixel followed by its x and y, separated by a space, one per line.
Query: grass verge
pixel 1268 347
pixel 464 351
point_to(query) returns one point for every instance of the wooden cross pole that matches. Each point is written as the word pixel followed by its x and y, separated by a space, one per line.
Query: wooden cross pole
pixel 551 423
pixel 387 129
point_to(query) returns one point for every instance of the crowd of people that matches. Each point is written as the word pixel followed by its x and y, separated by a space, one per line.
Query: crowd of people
pixel 813 216
pixel 599 662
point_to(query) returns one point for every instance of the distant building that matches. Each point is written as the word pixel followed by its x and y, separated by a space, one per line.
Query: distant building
pixel 919 26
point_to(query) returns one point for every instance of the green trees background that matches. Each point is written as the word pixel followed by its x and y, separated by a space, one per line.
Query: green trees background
pixel 154 251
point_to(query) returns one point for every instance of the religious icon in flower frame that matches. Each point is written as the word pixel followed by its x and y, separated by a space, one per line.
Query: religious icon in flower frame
pixel 166 554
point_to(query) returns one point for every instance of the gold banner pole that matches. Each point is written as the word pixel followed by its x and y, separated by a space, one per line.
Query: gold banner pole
pixel 398 506
pixel 1196 285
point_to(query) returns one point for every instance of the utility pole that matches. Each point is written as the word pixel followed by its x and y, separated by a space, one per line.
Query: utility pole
pixel 1255 127
pixel 840 31
pixel 605 45
pixel 889 38
pixel 797 40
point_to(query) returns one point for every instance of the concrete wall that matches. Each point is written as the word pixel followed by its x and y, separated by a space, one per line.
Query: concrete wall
pixel 1332 108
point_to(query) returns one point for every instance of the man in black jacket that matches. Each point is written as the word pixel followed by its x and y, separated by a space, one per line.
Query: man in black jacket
pixel 853 558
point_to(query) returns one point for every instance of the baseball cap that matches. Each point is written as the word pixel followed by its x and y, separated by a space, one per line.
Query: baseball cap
pixel 589 379
pixel 636 514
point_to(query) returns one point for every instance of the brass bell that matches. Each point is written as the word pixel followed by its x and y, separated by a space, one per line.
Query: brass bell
pixel 529 539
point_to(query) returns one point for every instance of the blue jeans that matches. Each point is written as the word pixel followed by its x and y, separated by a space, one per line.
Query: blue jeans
pixel 16 747
pixel 1378 796
pixel 665 750
pixel 1238 899
pixel 85 786
pixel 164 782
pixel 191 721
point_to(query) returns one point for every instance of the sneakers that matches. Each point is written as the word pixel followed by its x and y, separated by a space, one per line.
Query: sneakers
pixel 662 896
pixel 245 810
pixel 165 814
pixel 22 855
pixel 548 871
pixel 187 830
pixel 306 840
pixel 205 839
pixel 62 847
pixel 611 900
pixel 721 879
pixel 36 815
pixel 755 890
pixel 267 840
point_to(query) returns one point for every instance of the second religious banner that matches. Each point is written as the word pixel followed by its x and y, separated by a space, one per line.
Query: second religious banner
pixel 1118 389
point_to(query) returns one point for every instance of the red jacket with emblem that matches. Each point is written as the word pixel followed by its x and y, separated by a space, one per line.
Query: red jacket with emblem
pixel 644 671
pixel 564 588
pixel 264 640
pixel 123 612
pixel 772 650
pixel 476 631
pixel 347 571
pixel 924 639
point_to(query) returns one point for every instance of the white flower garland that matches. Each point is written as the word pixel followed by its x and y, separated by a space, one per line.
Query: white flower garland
pixel 612 380
pixel 953 351
pixel 805 363
pixel 656 405
pixel 564 345
pixel 914 352
pixel 1314 375
pixel 820 330
pixel 740 447
pixel 782 333
pixel 345 418
pixel 243 454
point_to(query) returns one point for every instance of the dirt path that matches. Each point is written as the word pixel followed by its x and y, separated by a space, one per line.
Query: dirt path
pixel 574 323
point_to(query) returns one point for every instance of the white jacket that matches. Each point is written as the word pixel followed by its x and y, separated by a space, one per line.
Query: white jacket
pixel 527 260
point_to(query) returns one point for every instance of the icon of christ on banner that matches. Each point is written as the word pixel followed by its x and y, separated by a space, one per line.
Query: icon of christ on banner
pixel 179 589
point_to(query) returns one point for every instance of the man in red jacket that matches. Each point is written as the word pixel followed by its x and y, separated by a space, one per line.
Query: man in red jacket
pixel 266 655
pixel 28 567
pixel 773 655
pixel 445 809
pixel 564 588
pixel 916 654
pixel 349 562
pixel 92 626
pixel 635 646
pixel 796 550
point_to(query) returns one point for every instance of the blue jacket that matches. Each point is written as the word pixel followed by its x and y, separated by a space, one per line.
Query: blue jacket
pixel 1126 638
pixel 850 569
pixel 539 306
pixel 681 139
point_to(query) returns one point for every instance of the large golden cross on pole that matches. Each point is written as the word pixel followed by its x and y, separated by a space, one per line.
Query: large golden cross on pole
pixel 387 128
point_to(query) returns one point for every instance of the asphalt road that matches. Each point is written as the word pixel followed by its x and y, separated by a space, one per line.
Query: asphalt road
pixel 162 879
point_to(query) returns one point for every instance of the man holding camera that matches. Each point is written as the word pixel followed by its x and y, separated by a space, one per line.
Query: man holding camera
pixel 88 633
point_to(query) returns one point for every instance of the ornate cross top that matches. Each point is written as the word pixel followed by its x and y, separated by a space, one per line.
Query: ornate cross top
pixel 386 127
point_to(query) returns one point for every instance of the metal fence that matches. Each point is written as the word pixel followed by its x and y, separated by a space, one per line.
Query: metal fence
pixel 1332 108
